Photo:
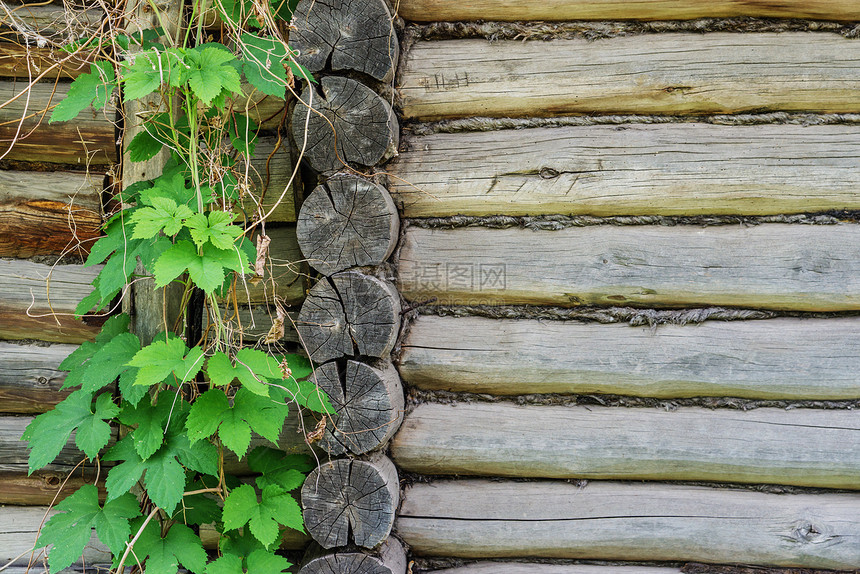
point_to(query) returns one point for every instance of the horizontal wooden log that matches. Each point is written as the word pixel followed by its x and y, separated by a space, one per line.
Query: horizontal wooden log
pixel 30 378
pixel 773 359
pixel 635 169
pixel 644 74
pixel 770 266
pixel 43 487
pixel 260 322
pixel 88 140
pixel 267 111
pixel 518 10
pixel 802 447
pixel 19 528
pixel 285 271
pixel 346 501
pixel 14 452
pixel 27 62
pixel 290 539
pixel 48 213
pixel 270 172
pixel 537 568
pixel 33 308
pixel 610 521
pixel 61 23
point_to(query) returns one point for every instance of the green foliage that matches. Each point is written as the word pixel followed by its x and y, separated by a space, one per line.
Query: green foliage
pixel 180 402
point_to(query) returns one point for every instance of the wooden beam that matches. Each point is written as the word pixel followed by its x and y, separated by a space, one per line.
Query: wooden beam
pixel 519 10
pixel 27 62
pixel 802 447
pixel 285 277
pixel 270 171
pixel 773 359
pixel 30 378
pixel 773 266
pixel 14 452
pixel 49 213
pixel 537 568
pixel 88 140
pixel 634 169
pixel 19 530
pixel 58 22
pixel 43 487
pixel 643 74
pixel 611 521
pixel 38 301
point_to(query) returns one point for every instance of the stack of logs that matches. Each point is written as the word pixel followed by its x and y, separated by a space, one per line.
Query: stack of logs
pixel 347 228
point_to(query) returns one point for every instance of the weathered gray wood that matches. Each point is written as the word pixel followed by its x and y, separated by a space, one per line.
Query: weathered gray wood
pixel 346 35
pixel 611 521
pixel 89 140
pixel 30 379
pixel 258 322
pixel 349 314
pixel 19 529
pixel 349 124
pixel 48 213
pixel 59 23
pixel 368 403
pixel 285 271
pixel 634 169
pixel 803 447
pixel 518 10
pixel 351 501
pixel 267 111
pixel 391 560
pixel 31 307
pixel 26 62
pixel 773 359
pixel 772 266
pixel 347 222
pixel 14 452
pixel 536 568
pixel 270 173
pixel 647 74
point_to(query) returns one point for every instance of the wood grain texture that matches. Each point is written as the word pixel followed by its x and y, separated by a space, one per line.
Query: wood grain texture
pixel 773 359
pixel 48 213
pixel 802 447
pixel 537 568
pixel 368 405
pixel 14 452
pixel 634 169
pixel 391 560
pixel 645 74
pixel 349 314
pixel 88 140
pixel 42 487
pixel 270 171
pixel 517 10
pixel 38 301
pixel 19 529
pixel 27 62
pixel 347 222
pixel 346 35
pixel 30 378
pixel 346 501
pixel 285 272
pixel 344 123
pixel 611 521
pixel 60 22
pixel 773 266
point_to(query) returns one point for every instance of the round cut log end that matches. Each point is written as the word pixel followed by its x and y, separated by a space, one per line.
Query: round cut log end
pixel 351 501
pixel 347 222
pixel 350 315
pixel 368 403
pixel 349 125
pixel 346 35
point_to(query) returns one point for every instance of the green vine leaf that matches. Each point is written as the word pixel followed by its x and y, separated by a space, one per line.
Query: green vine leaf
pixel 213 412
pixel 70 530
pixel 143 146
pixel 179 546
pixel 276 507
pixel 287 472
pixel 254 369
pixel 264 64
pixel 164 215
pixel 210 72
pixel 218 229
pixel 93 89
pixel 151 69
pixel 160 359
pixel 258 562
pixel 207 271
pixel 49 432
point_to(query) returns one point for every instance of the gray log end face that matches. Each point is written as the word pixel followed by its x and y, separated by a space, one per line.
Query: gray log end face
pixel 347 563
pixel 368 403
pixel 356 499
pixel 347 35
pixel 349 315
pixel 350 124
pixel 347 222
